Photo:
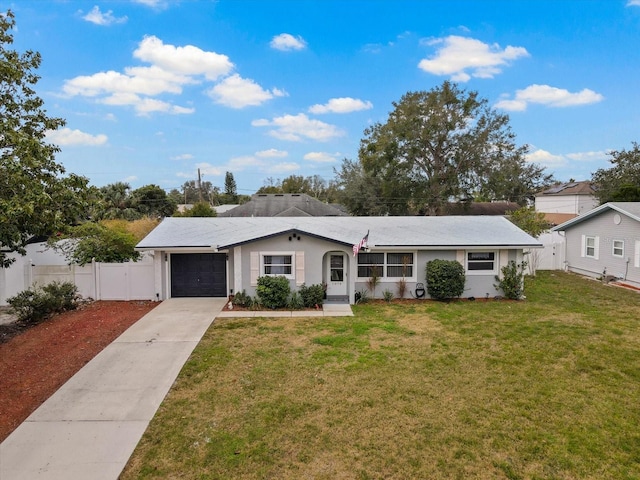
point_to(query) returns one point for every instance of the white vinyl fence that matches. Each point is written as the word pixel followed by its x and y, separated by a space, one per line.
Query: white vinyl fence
pixel 100 281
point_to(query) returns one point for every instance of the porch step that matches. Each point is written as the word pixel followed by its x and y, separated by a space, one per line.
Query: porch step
pixel 337 299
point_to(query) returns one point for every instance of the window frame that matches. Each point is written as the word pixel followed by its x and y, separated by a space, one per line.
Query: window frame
pixel 263 264
pixel 587 238
pixel 621 248
pixel 495 261
pixel 383 266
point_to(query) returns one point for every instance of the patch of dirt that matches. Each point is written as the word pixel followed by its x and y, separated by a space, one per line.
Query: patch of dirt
pixel 36 361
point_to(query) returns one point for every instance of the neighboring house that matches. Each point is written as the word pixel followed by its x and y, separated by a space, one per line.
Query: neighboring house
pixel 215 257
pixel 283 205
pixel 605 242
pixel 565 201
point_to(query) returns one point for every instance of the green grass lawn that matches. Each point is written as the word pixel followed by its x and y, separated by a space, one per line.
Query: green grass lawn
pixel 546 388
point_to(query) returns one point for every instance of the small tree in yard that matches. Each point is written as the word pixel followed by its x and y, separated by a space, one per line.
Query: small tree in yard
pixel 445 279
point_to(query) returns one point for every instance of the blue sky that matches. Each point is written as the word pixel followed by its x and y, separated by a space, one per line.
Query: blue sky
pixel 152 90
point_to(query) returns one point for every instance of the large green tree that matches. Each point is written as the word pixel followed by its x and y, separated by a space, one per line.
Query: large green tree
pixel 620 182
pixel 439 145
pixel 36 198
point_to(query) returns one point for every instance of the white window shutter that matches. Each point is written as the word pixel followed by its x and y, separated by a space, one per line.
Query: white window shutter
pixel 460 257
pixel 597 248
pixel 637 255
pixel 583 251
pixel 255 268
pixel 299 268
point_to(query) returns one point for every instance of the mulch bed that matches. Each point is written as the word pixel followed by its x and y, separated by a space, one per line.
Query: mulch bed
pixel 36 361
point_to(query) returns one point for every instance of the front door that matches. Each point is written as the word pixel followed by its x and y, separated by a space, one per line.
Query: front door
pixel 337 275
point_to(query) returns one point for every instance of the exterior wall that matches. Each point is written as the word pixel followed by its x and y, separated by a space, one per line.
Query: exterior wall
pixel 606 230
pixel 577 204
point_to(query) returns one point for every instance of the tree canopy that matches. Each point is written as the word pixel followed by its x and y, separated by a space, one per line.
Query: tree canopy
pixel 36 198
pixel 119 201
pixel 439 145
pixel 620 182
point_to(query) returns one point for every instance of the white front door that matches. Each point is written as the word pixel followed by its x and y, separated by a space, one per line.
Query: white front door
pixel 337 275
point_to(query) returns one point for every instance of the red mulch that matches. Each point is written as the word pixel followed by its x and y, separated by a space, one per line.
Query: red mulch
pixel 37 361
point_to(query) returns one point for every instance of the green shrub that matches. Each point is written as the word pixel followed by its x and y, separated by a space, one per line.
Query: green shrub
pixel 445 279
pixel 273 292
pixel 512 281
pixel 362 296
pixel 295 301
pixel 38 303
pixel 241 299
pixel 312 295
pixel 387 295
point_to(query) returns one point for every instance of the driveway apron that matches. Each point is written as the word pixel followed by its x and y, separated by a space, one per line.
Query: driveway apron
pixel 89 428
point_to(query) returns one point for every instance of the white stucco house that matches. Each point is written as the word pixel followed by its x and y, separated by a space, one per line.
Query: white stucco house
pixel 219 256
pixel 605 242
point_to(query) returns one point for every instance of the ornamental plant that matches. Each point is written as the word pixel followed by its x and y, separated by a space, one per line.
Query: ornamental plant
pixel 273 292
pixel 445 279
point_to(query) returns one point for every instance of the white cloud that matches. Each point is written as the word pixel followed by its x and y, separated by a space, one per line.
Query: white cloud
pixel 287 42
pixel 208 169
pixel 184 156
pixel 247 161
pixel 297 127
pixel 187 60
pixel 321 157
pixel 67 137
pixel 341 105
pixel 588 156
pixel 284 167
pixel 152 3
pixel 549 96
pixel 238 92
pixel 633 3
pixel 171 68
pixel 272 153
pixel 100 18
pixel 546 159
pixel 463 58
pixel 129 179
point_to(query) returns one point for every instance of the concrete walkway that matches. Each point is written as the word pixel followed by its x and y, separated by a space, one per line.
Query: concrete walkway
pixel 89 428
pixel 328 310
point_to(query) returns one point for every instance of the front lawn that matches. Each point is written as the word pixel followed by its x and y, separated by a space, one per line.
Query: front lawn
pixel 547 388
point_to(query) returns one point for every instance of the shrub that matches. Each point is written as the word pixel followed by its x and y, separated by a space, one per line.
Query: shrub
pixel 312 295
pixel 512 282
pixel 401 287
pixel 241 299
pixel 387 295
pixel 273 292
pixel 295 301
pixel 373 280
pixel 445 279
pixel 34 305
pixel 362 296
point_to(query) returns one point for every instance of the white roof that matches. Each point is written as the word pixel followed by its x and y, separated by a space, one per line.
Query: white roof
pixel 441 232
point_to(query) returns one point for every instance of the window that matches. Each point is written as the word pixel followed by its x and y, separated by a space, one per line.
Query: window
pixel 481 262
pixel 370 262
pixel 277 265
pixel 399 265
pixel 618 248
pixel 590 247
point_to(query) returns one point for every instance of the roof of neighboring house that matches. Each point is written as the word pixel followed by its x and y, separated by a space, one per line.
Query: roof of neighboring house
pixel 282 204
pixel 629 209
pixel 571 188
pixel 224 208
pixel 482 208
pixel 558 218
pixel 431 232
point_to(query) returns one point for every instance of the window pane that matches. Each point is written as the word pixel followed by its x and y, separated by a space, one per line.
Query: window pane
pixel 400 258
pixel 480 266
pixel 371 258
pixel 367 270
pixel 400 271
pixel 481 256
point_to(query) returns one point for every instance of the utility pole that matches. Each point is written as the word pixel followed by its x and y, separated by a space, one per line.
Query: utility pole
pixel 199 186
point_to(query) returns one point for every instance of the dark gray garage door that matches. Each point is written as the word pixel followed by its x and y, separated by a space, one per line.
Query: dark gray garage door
pixel 198 275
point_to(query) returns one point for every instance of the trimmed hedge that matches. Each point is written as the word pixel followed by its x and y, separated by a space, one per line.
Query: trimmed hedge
pixel 273 292
pixel 445 279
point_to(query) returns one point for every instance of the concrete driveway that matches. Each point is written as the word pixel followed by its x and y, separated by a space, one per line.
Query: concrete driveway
pixel 89 428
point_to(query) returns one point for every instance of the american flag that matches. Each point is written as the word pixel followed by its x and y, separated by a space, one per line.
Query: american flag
pixel 360 244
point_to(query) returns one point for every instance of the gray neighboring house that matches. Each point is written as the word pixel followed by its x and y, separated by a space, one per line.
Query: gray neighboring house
pixel 283 205
pixel 215 257
pixel 605 242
